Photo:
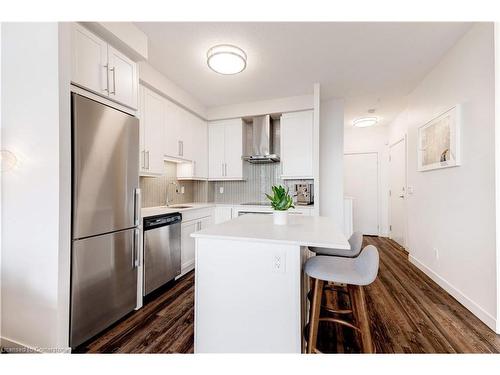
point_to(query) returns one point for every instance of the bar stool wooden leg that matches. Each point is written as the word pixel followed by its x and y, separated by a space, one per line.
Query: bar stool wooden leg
pixel 357 297
pixel 314 311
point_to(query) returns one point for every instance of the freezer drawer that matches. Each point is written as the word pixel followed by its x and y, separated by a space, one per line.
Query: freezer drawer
pixel 105 168
pixel 104 282
pixel 162 250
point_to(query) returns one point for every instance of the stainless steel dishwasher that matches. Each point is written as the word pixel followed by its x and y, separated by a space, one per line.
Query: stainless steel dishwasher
pixel 162 250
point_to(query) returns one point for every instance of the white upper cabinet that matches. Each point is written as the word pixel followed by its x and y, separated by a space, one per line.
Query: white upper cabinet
pixel 98 67
pixel 216 153
pixel 172 130
pixel 225 149
pixel 297 145
pixel 89 59
pixel 152 118
pixel 195 149
pixel 122 78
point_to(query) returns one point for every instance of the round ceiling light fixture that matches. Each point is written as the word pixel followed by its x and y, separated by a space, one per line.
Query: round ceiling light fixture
pixel 226 59
pixel 364 122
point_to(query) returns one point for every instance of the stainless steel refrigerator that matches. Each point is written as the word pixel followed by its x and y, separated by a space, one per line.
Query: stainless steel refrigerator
pixel 105 217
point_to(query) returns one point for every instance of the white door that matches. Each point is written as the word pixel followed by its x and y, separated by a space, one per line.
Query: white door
pixel 188 245
pixel 397 192
pixel 297 144
pixel 152 115
pixel 233 137
pixel 89 58
pixel 122 78
pixel 361 183
pixel 215 151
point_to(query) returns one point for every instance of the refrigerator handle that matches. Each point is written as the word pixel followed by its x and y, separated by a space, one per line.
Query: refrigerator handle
pixel 137 245
pixel 137 206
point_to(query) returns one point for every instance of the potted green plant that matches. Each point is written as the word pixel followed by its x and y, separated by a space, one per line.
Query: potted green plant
pixel 281 201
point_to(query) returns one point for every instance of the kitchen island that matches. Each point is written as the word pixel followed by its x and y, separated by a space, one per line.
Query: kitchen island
pixel 249 287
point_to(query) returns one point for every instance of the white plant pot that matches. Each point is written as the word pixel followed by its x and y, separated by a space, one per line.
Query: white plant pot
pixel 280 217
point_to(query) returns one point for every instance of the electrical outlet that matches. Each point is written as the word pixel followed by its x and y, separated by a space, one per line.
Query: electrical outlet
pixel 279 263
pixel 221 190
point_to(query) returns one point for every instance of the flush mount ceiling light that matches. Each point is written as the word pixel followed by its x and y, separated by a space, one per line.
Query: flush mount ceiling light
pixel 226 59
pixel 364 122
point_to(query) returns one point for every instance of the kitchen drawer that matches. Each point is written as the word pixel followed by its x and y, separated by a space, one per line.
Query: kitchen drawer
pixel 197 214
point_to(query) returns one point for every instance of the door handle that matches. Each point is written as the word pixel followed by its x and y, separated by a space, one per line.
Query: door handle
pixel 113 69
pixel 137 206
pixel 135 253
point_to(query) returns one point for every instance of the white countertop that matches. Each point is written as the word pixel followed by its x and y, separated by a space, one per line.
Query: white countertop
pixel 315 231
pixel 160 210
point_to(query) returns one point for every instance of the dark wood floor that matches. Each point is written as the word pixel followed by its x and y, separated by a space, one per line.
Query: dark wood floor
pixel 409 314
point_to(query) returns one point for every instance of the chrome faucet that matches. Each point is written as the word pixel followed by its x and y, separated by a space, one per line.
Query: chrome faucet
pixel 167 203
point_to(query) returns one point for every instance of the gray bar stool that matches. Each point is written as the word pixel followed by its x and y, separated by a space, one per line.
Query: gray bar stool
pixel 355 273
pixel 355 242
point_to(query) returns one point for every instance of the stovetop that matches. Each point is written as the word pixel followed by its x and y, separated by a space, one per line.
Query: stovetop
pixel 256 204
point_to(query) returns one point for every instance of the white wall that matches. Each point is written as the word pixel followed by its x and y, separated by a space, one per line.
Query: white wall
pixel 373 139
pixel 263 107
pixel 35 252
pixel 453 210
pixel 331 148
pixel 497 159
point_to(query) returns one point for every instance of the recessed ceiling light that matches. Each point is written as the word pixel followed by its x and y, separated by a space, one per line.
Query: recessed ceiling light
pixel 226 59
pixel 364 122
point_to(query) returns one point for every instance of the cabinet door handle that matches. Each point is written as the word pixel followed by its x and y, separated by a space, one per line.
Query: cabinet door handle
pixel 222 166
pixel 182 148
pixel 142 158
pixel 147 152
pixel 225 169
pixel 107 78
pixel 179 148
pixel 113 69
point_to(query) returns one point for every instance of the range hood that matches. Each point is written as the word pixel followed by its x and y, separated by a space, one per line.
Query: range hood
pixel 262 142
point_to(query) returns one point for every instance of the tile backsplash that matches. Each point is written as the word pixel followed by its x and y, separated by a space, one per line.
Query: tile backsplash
pixel 258 180
pixel 154 189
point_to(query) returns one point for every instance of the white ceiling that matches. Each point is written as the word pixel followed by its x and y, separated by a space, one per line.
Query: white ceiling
pixel 371 65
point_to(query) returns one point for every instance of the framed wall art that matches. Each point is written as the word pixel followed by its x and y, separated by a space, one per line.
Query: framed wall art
pixel 439 141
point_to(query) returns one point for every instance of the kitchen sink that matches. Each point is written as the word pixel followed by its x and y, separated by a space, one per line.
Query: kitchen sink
pixel 180 206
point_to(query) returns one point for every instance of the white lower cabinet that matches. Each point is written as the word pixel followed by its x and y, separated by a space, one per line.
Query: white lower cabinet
pixel 188 243
pixel 222 214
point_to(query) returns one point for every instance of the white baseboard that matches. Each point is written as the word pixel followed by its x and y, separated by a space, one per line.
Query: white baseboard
pixel 473 307
pixel 13 346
